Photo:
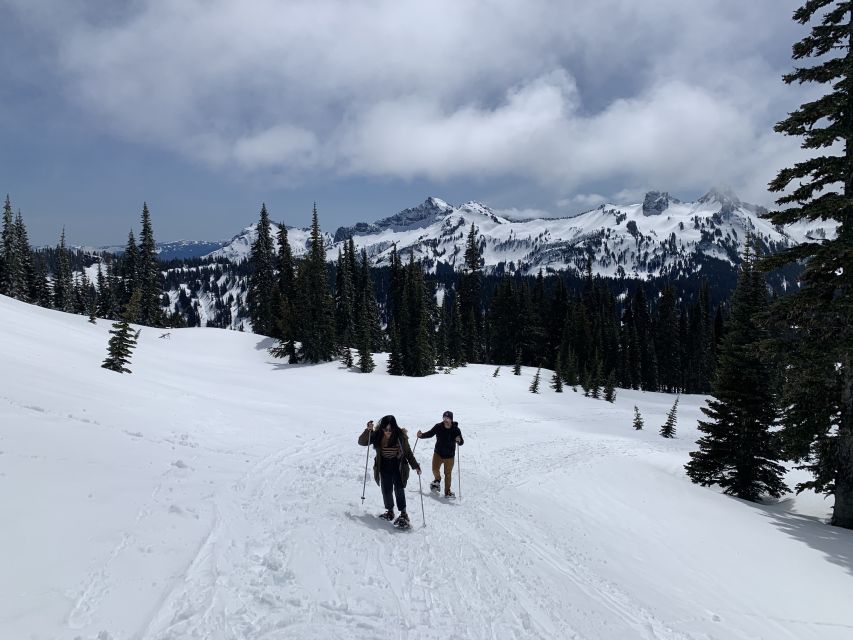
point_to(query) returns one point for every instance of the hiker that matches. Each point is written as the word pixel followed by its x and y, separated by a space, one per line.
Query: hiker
pixel 391 465
pixel 447 436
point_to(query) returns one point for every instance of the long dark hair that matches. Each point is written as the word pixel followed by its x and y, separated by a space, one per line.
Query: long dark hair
pixel 391 421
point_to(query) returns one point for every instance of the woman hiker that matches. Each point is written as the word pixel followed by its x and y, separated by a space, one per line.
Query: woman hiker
pixel 391 465
pixel 447 436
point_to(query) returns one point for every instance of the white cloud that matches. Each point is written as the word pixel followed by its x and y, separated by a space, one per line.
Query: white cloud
pixel 563 94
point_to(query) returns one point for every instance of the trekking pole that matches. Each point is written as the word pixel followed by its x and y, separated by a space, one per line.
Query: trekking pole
pixel 420 485
pixel 421 491
pixel 459 462
pixel 366 459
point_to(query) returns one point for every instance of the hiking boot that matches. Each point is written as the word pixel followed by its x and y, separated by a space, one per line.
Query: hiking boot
pixel 449 495
pixel 388 515
pixel 435 485
pixel 402 521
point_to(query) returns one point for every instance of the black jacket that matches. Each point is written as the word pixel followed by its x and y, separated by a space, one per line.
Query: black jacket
pixel 445 439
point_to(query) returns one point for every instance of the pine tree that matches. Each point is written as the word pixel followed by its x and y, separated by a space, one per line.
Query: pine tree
pixel 345 300
pixel 123 339
pixel 284 324
pixel 395 357
pixel 557 378
pixel 610 388
pixel 63 286
pixel 740 448
pixel 365 357
pixel 346 356
pixel 667 430
pixel 129 276
pixel 516 370
pixel 9 258
pixel 93 310
pixel 27 274
pixel 316 307
pixel 595 389
pixel 469 299
pixel 638 419
pixel 497 372
pixel 262 295
pixel 148 274
pixel 534 386
pixel 815 334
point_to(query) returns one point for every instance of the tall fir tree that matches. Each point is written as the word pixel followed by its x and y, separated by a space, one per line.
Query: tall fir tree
pixel 667 430
pixel 395 357
pixel 316 306
pixel 814 323
pixel 148 274
pixel 26 271
pixel 284 322
pixel 557 378
pixel 740 448
pixel 470 291
pixel 123 339
pixel 63 286
pixel 9 258
pixel 262 294
pixel 534 385
pixel 345 302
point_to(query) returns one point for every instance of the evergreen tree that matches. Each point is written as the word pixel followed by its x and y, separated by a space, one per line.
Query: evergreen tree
pixel 497 372
pixel 813 324
pixel 129 260
pixel 346 356
pixel 668 347
pixel 365 357
pixel 740 448
pixel 366 298
pixel 667 430
pixel 148 274
pixel 123 339
pixel 316 307
pixel 610 388
pixel 534 386
pixel 63 286
pixel 345 312
pixel 395 357
pixel 469 299
pixel 516 370
pixel 26 276
pixel 9 258
pixel 262 295
pixel 284 328
pixel 557 378
pixel 638 419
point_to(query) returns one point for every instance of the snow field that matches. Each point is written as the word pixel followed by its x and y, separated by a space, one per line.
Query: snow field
pixel 215 493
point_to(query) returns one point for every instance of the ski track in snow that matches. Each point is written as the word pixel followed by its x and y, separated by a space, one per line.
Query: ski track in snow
pixel 269 568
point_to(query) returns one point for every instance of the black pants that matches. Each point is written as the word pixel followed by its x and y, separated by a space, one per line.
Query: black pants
pixel 391 482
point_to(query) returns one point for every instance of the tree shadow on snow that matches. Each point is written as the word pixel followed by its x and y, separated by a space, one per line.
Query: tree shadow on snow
pixel 265 344
pixel 835 543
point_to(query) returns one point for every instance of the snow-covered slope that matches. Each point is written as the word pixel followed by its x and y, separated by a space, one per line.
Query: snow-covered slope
pixel 215 493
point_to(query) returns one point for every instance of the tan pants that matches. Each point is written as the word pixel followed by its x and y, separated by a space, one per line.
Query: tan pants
pixel 437 463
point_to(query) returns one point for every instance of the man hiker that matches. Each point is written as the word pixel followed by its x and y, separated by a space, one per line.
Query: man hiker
pixel 447 436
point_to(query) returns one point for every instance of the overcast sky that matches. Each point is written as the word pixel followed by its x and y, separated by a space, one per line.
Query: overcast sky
pixel 206 108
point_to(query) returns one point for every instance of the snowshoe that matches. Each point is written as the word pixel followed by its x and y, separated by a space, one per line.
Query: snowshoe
pixel 403 521
pixel 435 486
pixel 388 515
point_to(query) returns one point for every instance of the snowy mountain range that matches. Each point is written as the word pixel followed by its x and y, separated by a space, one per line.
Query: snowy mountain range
pixel 657 237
